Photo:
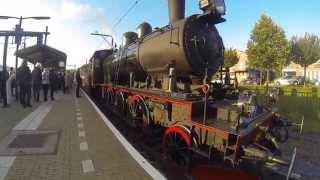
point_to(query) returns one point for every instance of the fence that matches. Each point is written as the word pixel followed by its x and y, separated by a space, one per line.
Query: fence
pixel 304 91
pixel 295 102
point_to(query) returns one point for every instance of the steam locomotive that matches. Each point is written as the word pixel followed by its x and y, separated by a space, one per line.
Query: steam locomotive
pixel 161 78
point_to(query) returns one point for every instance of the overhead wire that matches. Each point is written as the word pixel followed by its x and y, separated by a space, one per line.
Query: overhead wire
pixel 120 20
pixel 113 29
pixel 156 10
pixel 103 41
pixel 125 14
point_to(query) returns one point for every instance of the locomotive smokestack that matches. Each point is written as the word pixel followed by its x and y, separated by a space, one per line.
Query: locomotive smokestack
pixel 176 10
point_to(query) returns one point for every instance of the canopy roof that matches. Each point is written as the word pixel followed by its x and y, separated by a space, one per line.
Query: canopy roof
pixel 101 54
pixel 46 55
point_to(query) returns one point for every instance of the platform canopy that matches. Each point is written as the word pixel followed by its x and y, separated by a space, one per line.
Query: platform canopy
pixel 46 55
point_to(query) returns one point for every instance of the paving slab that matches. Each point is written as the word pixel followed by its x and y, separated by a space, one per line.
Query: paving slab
pixel 11 116
pixel 105 157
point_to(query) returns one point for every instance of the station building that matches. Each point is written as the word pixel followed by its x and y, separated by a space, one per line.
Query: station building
pixel 241 70
pixel 312 71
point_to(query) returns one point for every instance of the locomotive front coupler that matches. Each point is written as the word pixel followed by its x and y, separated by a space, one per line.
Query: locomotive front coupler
pixel 259 153
pixel 284 122
pixel 277 131
pixel 280 125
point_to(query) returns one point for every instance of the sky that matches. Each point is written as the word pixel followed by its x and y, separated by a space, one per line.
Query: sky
pixel 72 21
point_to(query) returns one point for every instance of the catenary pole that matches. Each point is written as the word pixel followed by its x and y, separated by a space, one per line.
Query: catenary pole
pixel 4 72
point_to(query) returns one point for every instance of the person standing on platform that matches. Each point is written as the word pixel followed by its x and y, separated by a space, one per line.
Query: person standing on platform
pixel 11 71
pixel 10 95
pixel 68 81
pixel 52 83
pixel 36 81
pixel 66 85
pixel 3 80
pixel 79 82
pixel 45 83
pixel 63 82
pixel 13 85
pixel 24 79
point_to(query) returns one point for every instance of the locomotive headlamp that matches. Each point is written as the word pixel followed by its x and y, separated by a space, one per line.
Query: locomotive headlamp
pixel 217 6
pixel 220 7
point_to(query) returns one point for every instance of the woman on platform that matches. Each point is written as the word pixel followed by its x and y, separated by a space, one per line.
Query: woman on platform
pixel 45 83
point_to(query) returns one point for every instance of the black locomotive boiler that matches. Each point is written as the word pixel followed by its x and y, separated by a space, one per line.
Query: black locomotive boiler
pixel 161 78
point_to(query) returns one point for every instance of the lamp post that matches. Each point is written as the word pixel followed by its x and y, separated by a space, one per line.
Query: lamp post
pixel 103 36
pixel 3 90
pixel 18 35
pixel 19 30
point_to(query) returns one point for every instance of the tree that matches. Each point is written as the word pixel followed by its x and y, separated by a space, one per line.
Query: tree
pixel 268 49
pixel 305 50
pixel 230 57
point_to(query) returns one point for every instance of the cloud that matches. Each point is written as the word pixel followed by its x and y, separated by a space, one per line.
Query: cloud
pixel 72 10
pixel 70 26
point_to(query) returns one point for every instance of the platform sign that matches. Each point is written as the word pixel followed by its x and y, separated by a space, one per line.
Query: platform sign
pixel 61 64
pixel 19 33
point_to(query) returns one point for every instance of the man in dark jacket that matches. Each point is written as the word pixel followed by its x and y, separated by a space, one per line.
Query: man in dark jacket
pixel 79 82
pixel 63 82
pixel 24 79
pixel 36 82
pixel 3 80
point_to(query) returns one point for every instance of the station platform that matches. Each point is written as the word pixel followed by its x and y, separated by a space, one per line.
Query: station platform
pixel 87 145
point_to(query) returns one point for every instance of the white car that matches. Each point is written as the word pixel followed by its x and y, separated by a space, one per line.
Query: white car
pixel 316 82
pixel 288 80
